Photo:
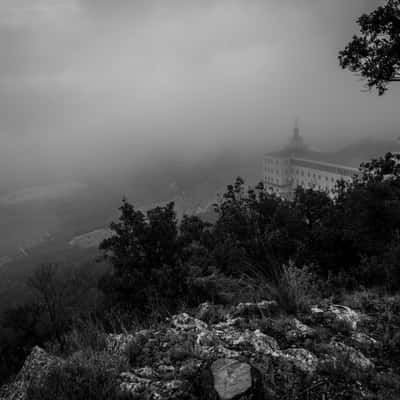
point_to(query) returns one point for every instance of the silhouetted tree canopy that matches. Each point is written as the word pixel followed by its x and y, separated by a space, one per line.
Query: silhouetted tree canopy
pixel 375 53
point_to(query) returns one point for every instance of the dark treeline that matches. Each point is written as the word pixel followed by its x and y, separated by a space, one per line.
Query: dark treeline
pixel 159 264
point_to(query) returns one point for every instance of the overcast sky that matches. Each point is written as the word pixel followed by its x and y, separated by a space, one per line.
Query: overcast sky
pixel 89 84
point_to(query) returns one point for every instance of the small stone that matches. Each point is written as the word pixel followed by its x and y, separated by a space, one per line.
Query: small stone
pixel 145 372
pixel 229 323
pixel 250 340
pixel 363 341
pixel 224 352
pixel 174 385
pixel 205 338
pixel 166 369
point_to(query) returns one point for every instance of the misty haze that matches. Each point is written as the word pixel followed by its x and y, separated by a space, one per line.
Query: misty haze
pixel 224 174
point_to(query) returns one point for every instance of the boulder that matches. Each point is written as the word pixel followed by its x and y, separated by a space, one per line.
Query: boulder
pixel 231 378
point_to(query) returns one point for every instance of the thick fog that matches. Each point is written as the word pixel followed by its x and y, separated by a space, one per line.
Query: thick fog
pixel 93 86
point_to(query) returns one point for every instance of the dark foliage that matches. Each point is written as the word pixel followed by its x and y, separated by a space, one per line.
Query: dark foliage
pixel 85 376
pixel 146 256
pixel 375 53
pixel 60 299
pixel 255 234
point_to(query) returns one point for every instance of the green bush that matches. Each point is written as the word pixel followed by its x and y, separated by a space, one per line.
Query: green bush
pixel 218 288
pixel 84 376
pixel 295 289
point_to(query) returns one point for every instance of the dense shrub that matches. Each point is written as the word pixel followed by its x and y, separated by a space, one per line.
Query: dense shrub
pixel 61 297
pixel 351 240
pixel 84 376
pixel 146 257
pixel 295 289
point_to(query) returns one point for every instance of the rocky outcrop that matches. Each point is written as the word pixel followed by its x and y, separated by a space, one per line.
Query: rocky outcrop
pixel 35 368
pixel 237 356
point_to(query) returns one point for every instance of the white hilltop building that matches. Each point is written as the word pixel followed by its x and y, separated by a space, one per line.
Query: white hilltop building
pixel 297 165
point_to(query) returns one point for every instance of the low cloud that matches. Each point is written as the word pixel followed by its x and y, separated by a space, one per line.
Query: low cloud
pixel 89 84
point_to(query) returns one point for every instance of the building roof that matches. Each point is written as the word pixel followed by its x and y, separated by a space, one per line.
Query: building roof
pixel 350 156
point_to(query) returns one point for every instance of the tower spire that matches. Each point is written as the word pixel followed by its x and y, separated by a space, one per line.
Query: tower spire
pixel 296 142
pixel 296 130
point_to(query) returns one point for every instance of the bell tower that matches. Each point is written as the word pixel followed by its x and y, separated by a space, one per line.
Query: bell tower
pixel 296 142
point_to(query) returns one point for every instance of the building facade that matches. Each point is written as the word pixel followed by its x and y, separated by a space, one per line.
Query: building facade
pixel 296 165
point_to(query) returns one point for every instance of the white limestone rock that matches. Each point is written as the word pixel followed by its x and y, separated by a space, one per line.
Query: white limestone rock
pixel 346 314
pixel 297 330
pixel 363 341
pixel 357 359
pixel 302 359
pixel 184 322
pixel 36 367
pixel 231 377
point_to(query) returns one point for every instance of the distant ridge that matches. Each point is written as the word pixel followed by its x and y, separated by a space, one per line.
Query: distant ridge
pixel 364 150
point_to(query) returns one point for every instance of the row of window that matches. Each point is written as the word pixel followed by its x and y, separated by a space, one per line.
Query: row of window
pixel 270 179
pixel 324 167
pixel 276 171
pixel 326 188
pixel 313 175
pixel 270 161
pixel 301 172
